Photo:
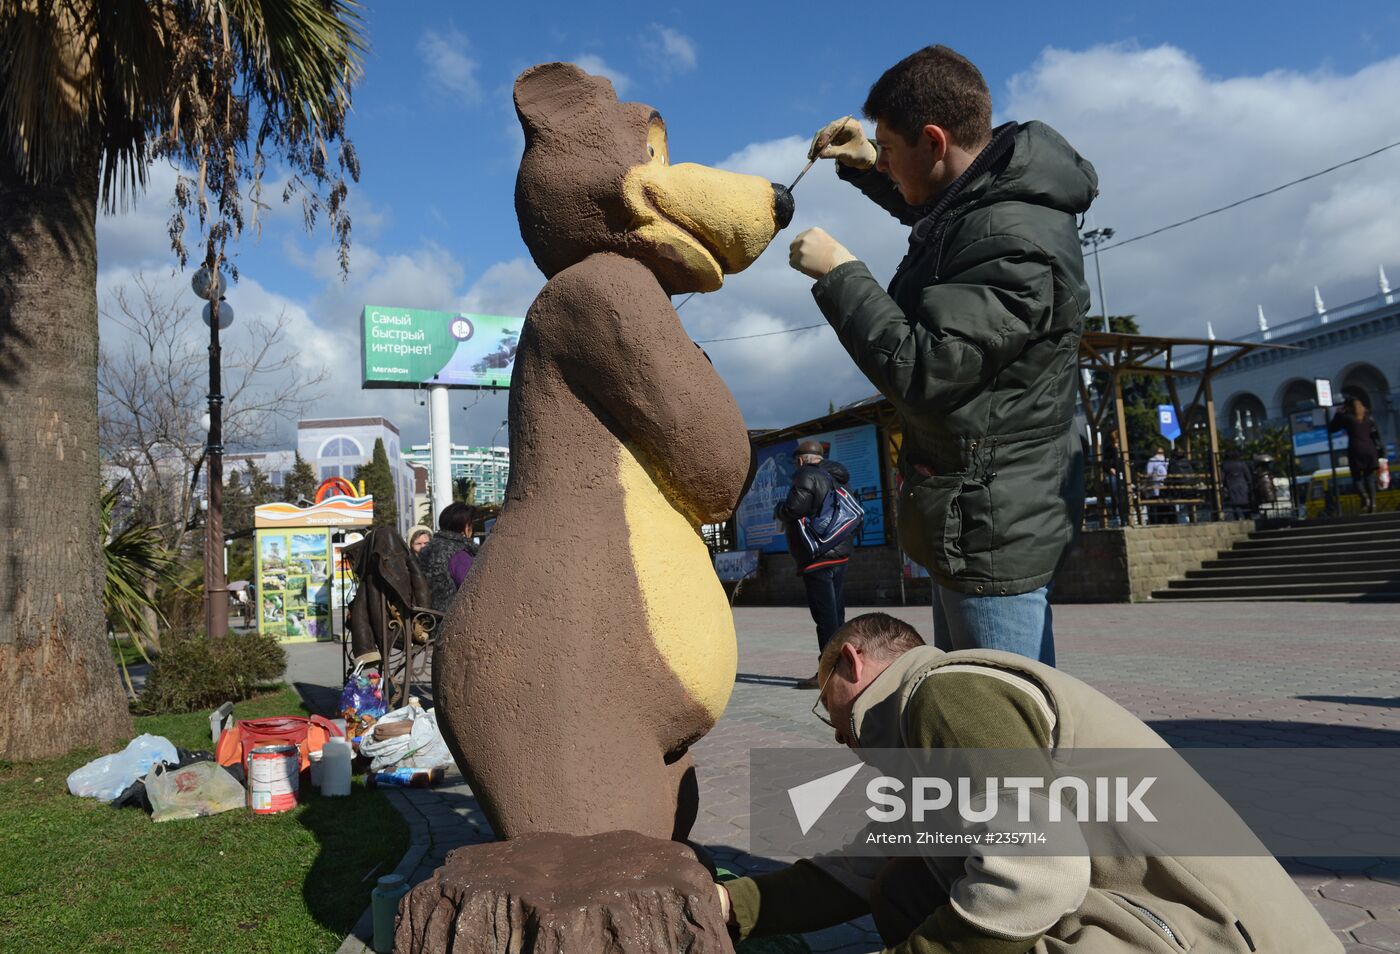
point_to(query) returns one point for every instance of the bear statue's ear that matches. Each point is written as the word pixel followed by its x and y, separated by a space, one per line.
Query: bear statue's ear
pixel 553 93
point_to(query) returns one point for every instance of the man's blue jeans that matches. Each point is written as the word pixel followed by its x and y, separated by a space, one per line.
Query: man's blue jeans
pixel 1014 624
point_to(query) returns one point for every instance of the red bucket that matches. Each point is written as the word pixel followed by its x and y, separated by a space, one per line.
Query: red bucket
pixel 273 776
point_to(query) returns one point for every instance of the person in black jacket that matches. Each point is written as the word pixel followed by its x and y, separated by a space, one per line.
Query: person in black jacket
pixel 1363 448
pixel 1236 486
pixel 1181 473
pixel 823 577
pixel 449 554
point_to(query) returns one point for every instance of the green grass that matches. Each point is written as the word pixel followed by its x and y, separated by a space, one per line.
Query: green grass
pixel 76 875
pixel 125 651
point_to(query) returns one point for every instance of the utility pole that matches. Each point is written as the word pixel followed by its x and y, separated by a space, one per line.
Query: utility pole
pixel 208 284
pixel 1093 239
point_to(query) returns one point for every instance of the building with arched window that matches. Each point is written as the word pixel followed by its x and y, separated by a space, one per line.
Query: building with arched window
pixel 338 457
pixel 1355 346
pixel 334 447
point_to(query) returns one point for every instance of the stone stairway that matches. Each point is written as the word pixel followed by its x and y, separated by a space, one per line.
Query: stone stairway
pixel 1342 559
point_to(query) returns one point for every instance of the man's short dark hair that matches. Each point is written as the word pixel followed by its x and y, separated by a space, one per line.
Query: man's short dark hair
pixel 935 86
pixel 456 517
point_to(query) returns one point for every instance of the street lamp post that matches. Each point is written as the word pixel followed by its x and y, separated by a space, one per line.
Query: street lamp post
pixel 1094 238
pixel 209 285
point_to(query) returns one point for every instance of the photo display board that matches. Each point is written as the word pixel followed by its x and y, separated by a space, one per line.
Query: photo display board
pixel 295 579
pixel 301 576
pixel 856 448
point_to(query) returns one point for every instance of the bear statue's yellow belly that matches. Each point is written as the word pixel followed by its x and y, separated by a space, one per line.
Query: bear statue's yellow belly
pixel 686 609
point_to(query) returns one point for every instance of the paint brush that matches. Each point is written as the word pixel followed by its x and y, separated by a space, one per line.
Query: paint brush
pixel 805 170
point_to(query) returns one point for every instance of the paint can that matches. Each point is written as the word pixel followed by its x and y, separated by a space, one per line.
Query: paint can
pixel 273 773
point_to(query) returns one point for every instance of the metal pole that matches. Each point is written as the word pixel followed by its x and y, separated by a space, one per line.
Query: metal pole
pixel 1097 237
pixel 1292 468
pixel 1216 501
pixel 215 586
pixel 1334 504
pixel 1098 273
pixel 440 456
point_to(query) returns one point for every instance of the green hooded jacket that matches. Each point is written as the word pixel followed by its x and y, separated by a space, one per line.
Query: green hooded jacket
pixel 976 345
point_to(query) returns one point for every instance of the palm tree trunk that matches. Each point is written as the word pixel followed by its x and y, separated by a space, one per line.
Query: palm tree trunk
pixel 59 687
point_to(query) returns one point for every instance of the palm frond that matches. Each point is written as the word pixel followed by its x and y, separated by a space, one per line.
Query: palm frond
pixel 49 84
pixel 135 557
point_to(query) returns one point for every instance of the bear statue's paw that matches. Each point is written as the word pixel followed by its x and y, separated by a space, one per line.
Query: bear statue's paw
pixel 618 892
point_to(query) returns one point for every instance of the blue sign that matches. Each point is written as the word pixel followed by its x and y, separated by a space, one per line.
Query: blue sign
pixel 1310 436
pixel 855 448
pixel 736 565
pixel 1167 422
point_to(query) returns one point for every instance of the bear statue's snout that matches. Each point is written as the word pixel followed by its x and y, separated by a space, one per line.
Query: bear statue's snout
pixel 783 206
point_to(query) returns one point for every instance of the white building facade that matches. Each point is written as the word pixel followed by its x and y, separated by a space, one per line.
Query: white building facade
pixel 1355 346
pixel 487 467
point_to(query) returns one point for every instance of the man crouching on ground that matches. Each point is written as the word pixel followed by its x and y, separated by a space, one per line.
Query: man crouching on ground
pixel 883 688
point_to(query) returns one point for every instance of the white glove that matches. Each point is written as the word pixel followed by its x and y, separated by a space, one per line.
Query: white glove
pixel 843 140
pixel 814 253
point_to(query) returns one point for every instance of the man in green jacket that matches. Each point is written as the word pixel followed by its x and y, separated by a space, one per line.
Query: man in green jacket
pixel 976 341
pixel 884 689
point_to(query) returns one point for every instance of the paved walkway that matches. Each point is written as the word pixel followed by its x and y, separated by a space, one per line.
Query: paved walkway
pixel 1221 674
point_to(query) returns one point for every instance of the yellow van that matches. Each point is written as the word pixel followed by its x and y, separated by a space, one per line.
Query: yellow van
pixel 1347 497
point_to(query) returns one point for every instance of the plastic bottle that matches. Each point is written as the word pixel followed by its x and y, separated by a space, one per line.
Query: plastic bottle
pixel 316 766
pixel 335 768
pixel 401 777
pixel 384 901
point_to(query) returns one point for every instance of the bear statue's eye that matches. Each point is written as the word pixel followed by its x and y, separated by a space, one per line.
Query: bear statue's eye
pixel 651 151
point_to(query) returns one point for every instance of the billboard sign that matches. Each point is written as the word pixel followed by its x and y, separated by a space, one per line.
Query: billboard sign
pixel 856 448
pixel 411 347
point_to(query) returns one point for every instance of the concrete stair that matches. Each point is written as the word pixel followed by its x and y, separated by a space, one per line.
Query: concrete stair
pixel 1340 559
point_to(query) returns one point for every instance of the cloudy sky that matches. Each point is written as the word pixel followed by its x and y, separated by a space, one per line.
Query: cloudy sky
pixel 1181 108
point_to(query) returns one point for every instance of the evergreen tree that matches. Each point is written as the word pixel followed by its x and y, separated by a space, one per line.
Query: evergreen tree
pixel 260 488
pixel 238 505
pixel 1142 393
pixel 379 484
pixel 301 481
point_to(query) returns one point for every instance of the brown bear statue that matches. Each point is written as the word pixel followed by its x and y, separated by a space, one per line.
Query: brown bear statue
pixel 592 644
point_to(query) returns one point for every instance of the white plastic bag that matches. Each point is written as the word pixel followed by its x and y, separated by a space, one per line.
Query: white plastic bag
pixel 422 747
pixel 200 788
pixel 107 777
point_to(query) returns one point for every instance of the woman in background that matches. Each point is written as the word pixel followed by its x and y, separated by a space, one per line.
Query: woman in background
pixel 1363 448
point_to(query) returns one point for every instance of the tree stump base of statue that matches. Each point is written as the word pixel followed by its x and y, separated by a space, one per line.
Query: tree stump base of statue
pixel 548 893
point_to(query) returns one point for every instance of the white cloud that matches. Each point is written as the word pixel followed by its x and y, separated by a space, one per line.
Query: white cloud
pixel 591 63
pixel 137 234
pixel 668 49
pixel 506 288
pixel 444 52
pixel 1169 141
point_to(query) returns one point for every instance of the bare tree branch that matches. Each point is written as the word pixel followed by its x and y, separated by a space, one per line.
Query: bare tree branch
pixel 153 393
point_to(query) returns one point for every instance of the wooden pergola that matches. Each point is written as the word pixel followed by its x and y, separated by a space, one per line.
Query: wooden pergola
pixel 1120 355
